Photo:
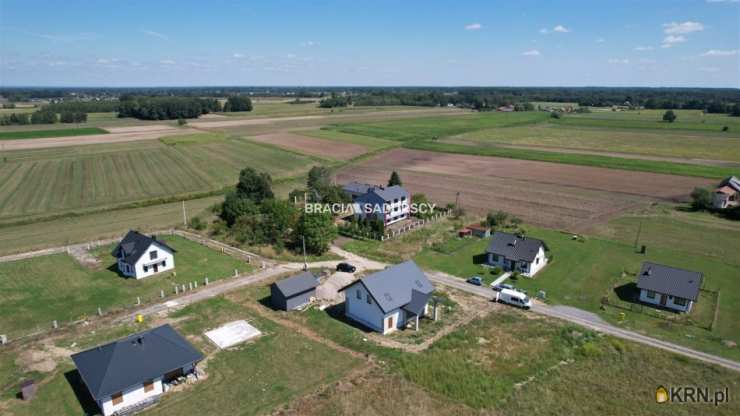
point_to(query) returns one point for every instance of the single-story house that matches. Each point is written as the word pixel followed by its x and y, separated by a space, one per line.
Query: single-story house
pixel 293 292
pixel 516 253
pixel 480 231
pixel 141 256
pixel 727 194
pixel 388 204
pixel 390 299
pixel 128 374
pixel 669 287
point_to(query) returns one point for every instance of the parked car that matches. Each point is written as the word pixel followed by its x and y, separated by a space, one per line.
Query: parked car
pixel 346 267
pixel 475 280
pixel 514 298
pixel 501 286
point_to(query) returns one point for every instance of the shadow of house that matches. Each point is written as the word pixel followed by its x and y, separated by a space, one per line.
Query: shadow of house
pixel 337 312
pixel 87 403
pixel 113 268
pixel 628 293
pixel 480 258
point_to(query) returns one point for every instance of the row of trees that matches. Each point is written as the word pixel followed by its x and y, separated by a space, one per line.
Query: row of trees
pixel 238 103
pixel 166 108
pixel 43 116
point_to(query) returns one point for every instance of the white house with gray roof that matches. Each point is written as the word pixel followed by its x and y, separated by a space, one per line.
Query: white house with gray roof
pixel 727 194
pixel 389 204
pixel 516 253
pixel 127 375
pixel 390 299
pixel 141 256
pixel 669 287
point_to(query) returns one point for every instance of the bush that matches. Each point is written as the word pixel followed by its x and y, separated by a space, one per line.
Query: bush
pixel 701 199
pixel 197 223
pixel 669 116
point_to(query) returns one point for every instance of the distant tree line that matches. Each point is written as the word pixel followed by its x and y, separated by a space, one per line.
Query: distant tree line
pixel 43 116
pixel 238 103
pixel 165 108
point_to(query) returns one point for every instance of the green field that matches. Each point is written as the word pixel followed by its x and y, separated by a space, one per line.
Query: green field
pixel 286 109
pixel 38 134
pixel 581 273
pixel 256 377
pixel 48 181
pixel 690 120
pixel 52 287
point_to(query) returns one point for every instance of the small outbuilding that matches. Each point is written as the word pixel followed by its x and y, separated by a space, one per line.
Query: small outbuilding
pixel 292 293
pixel 669 287
pixel 480 231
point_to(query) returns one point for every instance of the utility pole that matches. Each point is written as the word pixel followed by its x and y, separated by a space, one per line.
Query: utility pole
pixel 305 260
pixel 457 199
pixel 184 215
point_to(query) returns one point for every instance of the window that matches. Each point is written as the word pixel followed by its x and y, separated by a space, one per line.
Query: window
pixel 537 260
pixel 148 386
pixel 403 199
pixel 153 255
pixel 146 269
pixel 164 263
pixel 117 399
pixel 650 294
pixel 679 301
pixel 494 257
pixel 359 294
pixel 369 299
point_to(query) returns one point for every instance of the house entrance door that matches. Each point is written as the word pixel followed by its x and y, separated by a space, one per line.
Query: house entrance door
pixel 156 268
pixel 663 300
pixel 390 322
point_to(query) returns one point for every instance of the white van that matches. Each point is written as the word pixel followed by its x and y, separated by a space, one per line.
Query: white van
pixel 513 297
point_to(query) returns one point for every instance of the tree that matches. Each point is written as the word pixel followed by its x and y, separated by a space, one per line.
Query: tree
pixel 418 200
pixel 395 179
pixel 669 116
pixel 238 103
pixel 253 185
pixel 319 177
pixel 497 219
pixel 321 189
pixel 318 230
pixel 701 199
pixel 278 218
pixel 235 206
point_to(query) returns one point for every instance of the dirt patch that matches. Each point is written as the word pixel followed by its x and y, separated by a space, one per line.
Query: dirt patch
pixel 44 359
pixel 554 195
pixel 312 146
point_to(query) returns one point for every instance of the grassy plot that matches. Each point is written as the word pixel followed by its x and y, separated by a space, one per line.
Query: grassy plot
pixel 37 134
pixel 581 273
pixel 286 109
pixel 46 181
pixel 690 120
pixel 251 379
pixel 690 145
pixel 371 143
pixel 57 287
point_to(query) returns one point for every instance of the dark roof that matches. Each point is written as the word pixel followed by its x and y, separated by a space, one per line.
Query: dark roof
pixel 391 192
pixel 134 245
pixel 297 284
pixel 514 247
pixel 114 367
pixel 670 280
pixel 356 187
pixel 393 287
pixel 732 182
pixel 418 301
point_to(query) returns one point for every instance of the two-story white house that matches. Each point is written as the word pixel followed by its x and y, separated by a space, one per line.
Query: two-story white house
pixel 669 287
pixel 141 256
pixel 516 253
pixel 390 299
pixel 727 194
pixel 129 374
pixel 389 204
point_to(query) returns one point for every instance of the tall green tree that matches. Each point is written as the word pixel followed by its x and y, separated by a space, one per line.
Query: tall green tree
pixel 394 179
pixel 238 103
pixel 235 206
pixel 701 199
pixel 253 185
pixel 319 231
pixel 669 116
pixel 279 217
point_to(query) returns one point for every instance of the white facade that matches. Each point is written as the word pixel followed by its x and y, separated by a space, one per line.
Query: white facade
pixel 388 211
pixel 131 397
pixel 722 200
pixel 360 306
pixel 156 259
pixel 666 301
pixel 528 269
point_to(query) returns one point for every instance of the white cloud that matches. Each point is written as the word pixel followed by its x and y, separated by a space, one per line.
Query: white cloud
pixel 643 48
pixel 671 40
pixel 720 52
pixel 682 28
pixel 154 34
pixel 309 44
pixel 237 55
pixel 474 26
pixel 600 40
pixel 560 29
pixel 620 61
pixel 102 61
pixel 167 62
pixel 647 61
pixel 544 31
pixel 533 52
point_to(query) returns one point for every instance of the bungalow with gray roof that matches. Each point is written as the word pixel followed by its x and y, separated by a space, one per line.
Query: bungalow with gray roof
pixel 669 287
pixel 390 299
pixel 516 253
pixel 127 375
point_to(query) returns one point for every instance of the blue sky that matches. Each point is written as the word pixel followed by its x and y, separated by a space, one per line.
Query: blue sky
pixel 371 42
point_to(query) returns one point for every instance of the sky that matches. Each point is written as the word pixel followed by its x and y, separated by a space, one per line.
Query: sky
pixel 657 43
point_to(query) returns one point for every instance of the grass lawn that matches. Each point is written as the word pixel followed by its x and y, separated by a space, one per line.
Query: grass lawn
pixel 52 287
pixel 251 379
pixel 690 120
pixel 47 181
pixel 581 273
pixel 37 134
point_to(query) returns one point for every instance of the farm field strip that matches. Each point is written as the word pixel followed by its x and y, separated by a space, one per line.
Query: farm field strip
pixel 34 134
pixel 322 148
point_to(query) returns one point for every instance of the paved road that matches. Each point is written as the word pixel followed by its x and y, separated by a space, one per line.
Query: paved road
pixel 590 321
